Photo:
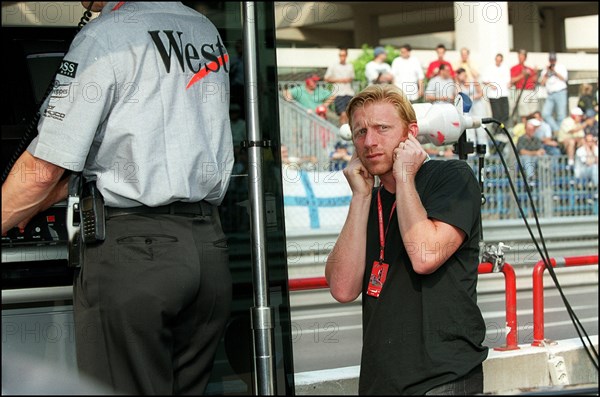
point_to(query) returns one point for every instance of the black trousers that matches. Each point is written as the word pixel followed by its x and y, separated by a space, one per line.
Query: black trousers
pixel 151 303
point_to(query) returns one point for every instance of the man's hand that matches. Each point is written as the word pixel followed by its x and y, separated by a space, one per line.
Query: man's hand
pixel 359 179
pixel 409 156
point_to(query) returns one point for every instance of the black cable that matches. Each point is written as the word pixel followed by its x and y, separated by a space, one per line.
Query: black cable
pixel 546 257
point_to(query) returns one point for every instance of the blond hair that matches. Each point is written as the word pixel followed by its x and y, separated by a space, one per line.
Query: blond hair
pixel 387 93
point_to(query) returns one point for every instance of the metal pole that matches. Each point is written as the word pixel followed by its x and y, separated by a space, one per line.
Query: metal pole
pixel 261 313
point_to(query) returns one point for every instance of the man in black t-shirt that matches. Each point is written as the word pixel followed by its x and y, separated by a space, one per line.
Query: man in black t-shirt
pixel 410 247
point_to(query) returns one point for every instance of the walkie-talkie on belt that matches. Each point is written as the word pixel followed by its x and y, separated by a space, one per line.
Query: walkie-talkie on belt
pixel 85 217
pixel 91 208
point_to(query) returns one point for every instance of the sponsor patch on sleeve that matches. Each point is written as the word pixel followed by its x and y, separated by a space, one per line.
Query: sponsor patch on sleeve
pixel 60 90
pixel 68 68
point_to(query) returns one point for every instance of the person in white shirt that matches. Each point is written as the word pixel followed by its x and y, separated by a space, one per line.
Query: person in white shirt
pixel 554 78
pixel 377 66
pixel 586 160
pixel 441 87
pixel 341 74
pixel 408 74
pixel 496 80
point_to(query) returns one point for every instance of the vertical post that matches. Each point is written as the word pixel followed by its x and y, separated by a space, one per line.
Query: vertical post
pixel 510 282
pixel 261 313
pixel 538 304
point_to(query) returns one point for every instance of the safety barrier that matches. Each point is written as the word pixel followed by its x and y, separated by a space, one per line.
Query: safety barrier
pixel 510 285
pixel 310 283
pixel 538 289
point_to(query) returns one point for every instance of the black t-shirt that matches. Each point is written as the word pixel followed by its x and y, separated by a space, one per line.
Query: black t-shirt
pixel 424 330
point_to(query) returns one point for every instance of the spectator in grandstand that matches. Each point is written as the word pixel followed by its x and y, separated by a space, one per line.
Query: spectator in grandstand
pixel 571 133
pixel 586 160
pixel 519 129
pixel 554 78
pixel 474 91
pixel 341 75
pixel 496 82
pixel 441 87
pixel 530 148
pixel 413 264
pixel 468 65
pixel 408 74
pixel 377 66
pixel 340 157
pixel 587 101
pixel 310 95
pixel 524 80
pixel 529 144
pixel 434 67
pixel 591 126
pixel 544 133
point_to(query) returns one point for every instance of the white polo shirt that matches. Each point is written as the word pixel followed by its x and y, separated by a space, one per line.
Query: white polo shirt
pixel 141 105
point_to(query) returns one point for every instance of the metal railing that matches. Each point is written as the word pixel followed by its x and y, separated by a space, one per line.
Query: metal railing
pixel 510 288
pixel 310 139
pixel 554 186
pixel 538 290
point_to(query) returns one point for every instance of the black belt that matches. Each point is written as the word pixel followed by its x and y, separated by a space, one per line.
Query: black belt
pixel 177 208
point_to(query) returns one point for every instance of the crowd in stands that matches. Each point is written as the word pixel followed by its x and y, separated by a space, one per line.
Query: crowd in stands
pixel 537 127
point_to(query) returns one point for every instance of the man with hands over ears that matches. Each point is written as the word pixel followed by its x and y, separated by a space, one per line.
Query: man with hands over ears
pixel 409 247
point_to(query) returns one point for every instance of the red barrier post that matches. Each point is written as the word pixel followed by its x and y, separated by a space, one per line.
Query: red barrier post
pixel 510 291
pixel 538 289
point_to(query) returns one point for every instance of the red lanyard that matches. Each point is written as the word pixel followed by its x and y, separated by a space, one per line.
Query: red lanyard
pixel 119 5
pixel 383 235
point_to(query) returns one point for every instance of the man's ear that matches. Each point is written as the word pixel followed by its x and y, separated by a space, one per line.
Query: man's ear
pixel 413 129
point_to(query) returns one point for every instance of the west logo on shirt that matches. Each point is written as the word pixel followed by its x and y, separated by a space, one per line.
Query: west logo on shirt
pixel 188 55
pixel 68 68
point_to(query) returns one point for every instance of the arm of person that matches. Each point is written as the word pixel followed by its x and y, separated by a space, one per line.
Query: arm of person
pixel 544 78
pixel 428 242
pixel 329 100
pixel 345 266
pixel 549 141
pixel 32 186
pixel 478 91
pixel 518 77
pixel 578 127
pixel 287 95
